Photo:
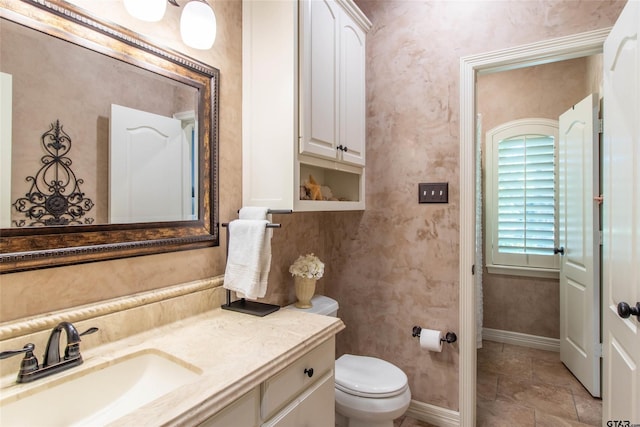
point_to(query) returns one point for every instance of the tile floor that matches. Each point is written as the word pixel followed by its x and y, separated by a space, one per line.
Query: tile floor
pixel 525 387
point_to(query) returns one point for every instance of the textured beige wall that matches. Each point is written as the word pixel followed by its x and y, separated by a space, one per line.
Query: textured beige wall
pixel 394 265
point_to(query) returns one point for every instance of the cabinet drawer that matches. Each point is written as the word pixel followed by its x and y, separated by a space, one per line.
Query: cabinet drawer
pixel 313 408
pixel 283 387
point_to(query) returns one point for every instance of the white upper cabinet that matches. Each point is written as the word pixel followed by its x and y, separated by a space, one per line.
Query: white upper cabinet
pixel 304 104
pixel 333 94
pixel 353 97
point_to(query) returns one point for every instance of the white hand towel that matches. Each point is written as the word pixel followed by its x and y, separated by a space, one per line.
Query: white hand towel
pixel 249 259
pixel 253 212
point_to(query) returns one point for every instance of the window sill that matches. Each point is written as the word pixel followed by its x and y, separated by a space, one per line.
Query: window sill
pixel 545 273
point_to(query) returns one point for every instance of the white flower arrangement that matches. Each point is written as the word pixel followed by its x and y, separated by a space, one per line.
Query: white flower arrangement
pixel 308 266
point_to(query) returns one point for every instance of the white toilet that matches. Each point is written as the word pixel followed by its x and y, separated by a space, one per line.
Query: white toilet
pixel 370 392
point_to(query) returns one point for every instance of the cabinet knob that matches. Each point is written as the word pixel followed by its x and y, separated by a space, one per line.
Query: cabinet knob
pixel 309 372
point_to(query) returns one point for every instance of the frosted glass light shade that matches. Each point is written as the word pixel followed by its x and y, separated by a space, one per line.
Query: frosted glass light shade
pixel 198 25
pixel 146 10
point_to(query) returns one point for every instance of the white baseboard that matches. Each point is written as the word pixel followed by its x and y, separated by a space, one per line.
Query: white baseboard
pixel 525 340
pixel 432 414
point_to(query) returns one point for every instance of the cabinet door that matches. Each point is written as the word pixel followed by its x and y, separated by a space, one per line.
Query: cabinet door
pixel 319 78
pixel 352 91
pixel 313 408
pixel 317 406
pixel 243 412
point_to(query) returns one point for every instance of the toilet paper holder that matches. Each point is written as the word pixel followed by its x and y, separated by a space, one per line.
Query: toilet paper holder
pixel 450 337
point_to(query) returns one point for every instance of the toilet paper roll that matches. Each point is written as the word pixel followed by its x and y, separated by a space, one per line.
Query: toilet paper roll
pixel 431 340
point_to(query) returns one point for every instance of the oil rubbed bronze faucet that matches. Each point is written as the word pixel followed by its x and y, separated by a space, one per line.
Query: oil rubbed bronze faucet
pixel 30 370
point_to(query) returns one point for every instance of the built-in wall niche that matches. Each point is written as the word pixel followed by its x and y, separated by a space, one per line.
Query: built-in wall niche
pixel 345 187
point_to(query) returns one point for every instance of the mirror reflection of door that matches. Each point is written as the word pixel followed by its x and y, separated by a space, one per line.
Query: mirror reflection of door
pixel 543 91
pixel 144 183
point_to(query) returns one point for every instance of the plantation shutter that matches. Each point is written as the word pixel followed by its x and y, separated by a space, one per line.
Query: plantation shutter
pixel 526 195
pixel 521 191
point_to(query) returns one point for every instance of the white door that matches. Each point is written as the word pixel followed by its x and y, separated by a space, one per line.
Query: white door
pixel 149 168
pixel 579 242
pixel 621 219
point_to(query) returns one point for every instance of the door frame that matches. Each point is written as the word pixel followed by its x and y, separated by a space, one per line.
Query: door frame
pixel 569 47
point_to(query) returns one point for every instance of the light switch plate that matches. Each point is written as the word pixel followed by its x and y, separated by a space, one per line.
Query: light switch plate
pixel 434 192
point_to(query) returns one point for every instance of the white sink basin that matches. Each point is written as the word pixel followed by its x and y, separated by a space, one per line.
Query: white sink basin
pixel 99 394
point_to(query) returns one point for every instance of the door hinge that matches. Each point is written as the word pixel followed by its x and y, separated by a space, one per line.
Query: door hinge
pixel 598 351
pixel 600 126
pixel 600 237
pixel 473 269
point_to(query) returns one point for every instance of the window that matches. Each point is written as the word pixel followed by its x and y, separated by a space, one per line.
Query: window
pixel 521 195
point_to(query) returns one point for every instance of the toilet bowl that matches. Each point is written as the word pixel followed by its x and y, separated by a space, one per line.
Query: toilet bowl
pixel 369 392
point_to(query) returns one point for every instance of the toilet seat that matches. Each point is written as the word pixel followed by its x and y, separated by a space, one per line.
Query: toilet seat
pixel 369 377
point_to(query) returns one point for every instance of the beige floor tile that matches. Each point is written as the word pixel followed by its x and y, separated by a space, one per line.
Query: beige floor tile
pixel 589 409
pixel 555 400
pixel 578 390
pixel 553 372
pixel 512 365
pixel 504 414
pixel 533 353
pixel 544 419
pixel 486 385
pixel 491 346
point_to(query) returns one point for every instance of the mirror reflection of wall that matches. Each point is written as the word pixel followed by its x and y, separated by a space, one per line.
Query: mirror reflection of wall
pixel 544 91
pixel 56 80
pixel 6 97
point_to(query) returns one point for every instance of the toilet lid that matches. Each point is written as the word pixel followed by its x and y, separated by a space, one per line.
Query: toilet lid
pixel 369 376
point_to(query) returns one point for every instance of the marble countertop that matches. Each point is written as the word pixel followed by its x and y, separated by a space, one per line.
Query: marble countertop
pixel 235 352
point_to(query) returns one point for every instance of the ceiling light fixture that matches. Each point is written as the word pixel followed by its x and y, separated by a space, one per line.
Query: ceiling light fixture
pixel 197 21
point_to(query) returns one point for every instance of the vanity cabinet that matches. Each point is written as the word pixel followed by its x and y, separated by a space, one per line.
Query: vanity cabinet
pixel 304 103
pixel 300 394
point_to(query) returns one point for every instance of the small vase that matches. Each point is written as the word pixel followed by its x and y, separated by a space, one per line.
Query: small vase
pixel 305 288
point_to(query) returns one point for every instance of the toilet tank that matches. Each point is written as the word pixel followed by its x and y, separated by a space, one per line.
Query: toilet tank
pixel 320 305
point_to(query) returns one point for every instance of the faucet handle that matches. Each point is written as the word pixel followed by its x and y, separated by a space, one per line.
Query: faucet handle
pixel 72 350
pixel 90 331
pixel 28 348
pixel 29 362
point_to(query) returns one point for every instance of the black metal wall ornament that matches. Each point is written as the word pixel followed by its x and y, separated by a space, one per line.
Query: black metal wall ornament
pixel 55 197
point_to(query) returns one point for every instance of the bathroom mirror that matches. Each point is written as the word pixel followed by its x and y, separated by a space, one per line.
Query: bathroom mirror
pixel 65 69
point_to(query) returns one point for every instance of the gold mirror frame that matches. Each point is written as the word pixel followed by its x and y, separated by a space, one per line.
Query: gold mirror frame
pixel 40 247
